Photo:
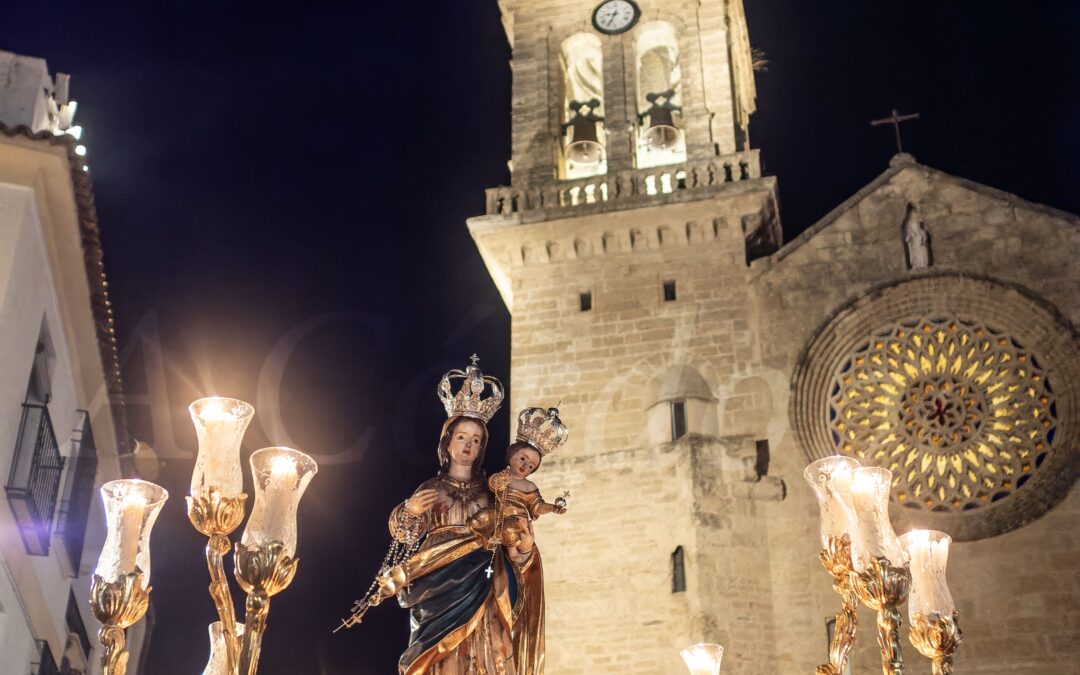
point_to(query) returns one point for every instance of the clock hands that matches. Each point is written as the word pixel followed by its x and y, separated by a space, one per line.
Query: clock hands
pixel 615 16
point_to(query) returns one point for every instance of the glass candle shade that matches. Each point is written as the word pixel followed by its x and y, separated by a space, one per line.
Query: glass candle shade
pixel 131 507
pixel 821 475
pixel 220 424
pixel 928 551
pixel 703 659
pixel 219 655
pixel 280 475
pixel 864 494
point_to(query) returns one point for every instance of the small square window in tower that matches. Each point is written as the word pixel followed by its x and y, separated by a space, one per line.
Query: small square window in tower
pixel 678 420
pixel 669 291
pixel 585 301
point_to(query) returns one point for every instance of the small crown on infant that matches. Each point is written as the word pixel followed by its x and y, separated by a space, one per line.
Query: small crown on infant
pixel 542 429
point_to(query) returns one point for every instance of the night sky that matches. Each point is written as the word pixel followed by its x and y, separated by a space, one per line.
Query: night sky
pixel 282 193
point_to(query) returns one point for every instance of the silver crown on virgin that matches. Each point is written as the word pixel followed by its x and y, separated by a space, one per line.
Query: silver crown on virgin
pixel 469 401
pixel 542 429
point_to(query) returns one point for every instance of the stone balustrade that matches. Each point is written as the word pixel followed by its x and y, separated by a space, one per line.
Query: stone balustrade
pixel 625 185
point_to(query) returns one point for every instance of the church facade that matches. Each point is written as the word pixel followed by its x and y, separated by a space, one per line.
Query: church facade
pixel 927 325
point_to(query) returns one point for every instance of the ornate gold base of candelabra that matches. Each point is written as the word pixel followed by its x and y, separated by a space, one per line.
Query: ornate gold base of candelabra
pixel 836 558
pixel 262 571
pixel 117 605
pixel 936 637
pixel 883 587
pixel 216 517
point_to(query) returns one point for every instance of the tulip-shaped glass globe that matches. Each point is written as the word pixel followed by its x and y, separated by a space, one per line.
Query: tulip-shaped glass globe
pixel 928 551
pixel 220 424
pixel 280 475
pixel 131 507
pixel 822 475
pixel 864 494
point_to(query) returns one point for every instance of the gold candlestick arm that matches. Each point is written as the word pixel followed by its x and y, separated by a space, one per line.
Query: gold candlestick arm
pixel 262 571
pixel 836 558
pixel 216 517
pixel 883 587
pixel 117 605
pixel 936 637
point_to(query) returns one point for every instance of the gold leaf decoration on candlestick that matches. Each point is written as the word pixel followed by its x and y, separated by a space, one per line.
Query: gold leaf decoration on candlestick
pixel 836 558
pixel 117 605
pixel 262 570
pixel 883 587
pixel 936 637
pixel 212 514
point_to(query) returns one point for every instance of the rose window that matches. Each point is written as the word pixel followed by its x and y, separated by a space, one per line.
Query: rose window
pixel 962 413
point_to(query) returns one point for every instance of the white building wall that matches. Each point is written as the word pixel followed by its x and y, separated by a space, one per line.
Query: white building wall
pixel 33 589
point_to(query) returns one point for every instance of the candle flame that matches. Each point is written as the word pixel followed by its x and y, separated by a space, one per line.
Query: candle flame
pixel 918 537
pixel 213 409
pixel 132 499
pixel 282 466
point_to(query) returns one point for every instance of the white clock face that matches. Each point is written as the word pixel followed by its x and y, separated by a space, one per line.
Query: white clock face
pixel 615 16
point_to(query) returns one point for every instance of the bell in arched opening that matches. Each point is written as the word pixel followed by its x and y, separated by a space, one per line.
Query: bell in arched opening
pixel 582 144
pixel 661 134
pixel 660 138
pixel 582 107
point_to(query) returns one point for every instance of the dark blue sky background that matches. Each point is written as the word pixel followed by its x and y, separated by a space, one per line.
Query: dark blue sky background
pixel 287 186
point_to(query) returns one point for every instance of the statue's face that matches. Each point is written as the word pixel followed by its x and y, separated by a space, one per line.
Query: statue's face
pixel 465 442
pixel 523 462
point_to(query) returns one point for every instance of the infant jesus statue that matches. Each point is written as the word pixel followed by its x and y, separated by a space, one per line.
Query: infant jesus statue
pixel 517 499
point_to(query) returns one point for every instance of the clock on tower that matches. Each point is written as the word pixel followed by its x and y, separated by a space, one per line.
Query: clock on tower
pixel 615 16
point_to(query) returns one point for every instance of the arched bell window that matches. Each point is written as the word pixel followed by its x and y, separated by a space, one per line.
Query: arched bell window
pixel 582 107
pixel 660 139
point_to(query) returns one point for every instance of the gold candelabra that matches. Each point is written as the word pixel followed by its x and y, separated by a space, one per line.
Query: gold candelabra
pixel 883 587
pixel 265 557
pixel 216 517
pixel 117 605
pixel 869 563
pixel 836 558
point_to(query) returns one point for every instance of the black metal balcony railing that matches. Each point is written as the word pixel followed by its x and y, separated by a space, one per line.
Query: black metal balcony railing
pixel 77 493
pixel 34 480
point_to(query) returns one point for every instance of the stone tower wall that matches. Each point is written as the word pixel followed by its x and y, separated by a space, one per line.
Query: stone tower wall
pixel 633 501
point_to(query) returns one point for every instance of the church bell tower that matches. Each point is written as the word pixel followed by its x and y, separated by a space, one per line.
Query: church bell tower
pixel 623 248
